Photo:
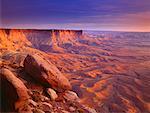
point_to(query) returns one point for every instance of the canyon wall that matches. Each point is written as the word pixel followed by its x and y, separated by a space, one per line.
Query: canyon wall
pixel 46 40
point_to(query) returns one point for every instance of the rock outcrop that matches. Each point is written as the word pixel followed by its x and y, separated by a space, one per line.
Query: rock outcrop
pixel 53 95
pixel 13 39
pixel 46 73
pixel 71 96
pixel 45 40
pixel 14 92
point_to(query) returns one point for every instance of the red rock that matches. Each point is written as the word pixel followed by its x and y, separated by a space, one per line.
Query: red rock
pixel 44 106
pixel 72 109
pixel 45 73
pixel 71 96
pixel 53 95
pixel 14 93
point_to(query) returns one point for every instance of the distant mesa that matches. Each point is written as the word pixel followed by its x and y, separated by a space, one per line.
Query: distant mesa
pixel 45 40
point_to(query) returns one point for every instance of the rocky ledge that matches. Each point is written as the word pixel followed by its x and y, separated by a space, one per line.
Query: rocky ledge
pixel 32 84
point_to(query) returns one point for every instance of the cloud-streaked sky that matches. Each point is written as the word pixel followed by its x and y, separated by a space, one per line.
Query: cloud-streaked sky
pixel 122 15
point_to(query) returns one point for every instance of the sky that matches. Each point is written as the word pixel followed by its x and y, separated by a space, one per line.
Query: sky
pixel 111 15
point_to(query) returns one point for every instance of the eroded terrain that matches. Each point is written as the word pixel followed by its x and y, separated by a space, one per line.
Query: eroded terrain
pixel 109 71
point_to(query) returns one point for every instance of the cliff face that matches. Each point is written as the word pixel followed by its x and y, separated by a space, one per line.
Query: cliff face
pixel 46 40
pixel 13 39
pixel 52 40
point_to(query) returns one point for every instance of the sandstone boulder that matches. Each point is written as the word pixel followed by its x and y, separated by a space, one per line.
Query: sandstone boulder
pixel 13 92
pixel 52 94
pixel 71 96
pixel 45 73
pixel 32 103
pixel 72 109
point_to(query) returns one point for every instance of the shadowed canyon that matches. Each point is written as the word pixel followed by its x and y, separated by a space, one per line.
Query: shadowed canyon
pixel 75 71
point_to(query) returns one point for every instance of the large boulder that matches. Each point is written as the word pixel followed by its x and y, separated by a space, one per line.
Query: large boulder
pixel 45 73
pixel 14 95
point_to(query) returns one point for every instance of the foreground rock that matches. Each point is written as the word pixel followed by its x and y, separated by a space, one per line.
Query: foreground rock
pixel 71 96
pixel 52 94
pixel 45 73
pixel 14 93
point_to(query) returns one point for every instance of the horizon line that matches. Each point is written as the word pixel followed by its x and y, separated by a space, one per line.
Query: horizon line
pixel 75 29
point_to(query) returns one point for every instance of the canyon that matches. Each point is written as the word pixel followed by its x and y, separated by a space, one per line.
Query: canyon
pixel 108 71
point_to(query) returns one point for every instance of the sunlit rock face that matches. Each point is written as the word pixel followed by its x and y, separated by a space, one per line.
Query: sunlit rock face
pixel 64 38
pixel 52 40
pixel 13 39
pixel 46 40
